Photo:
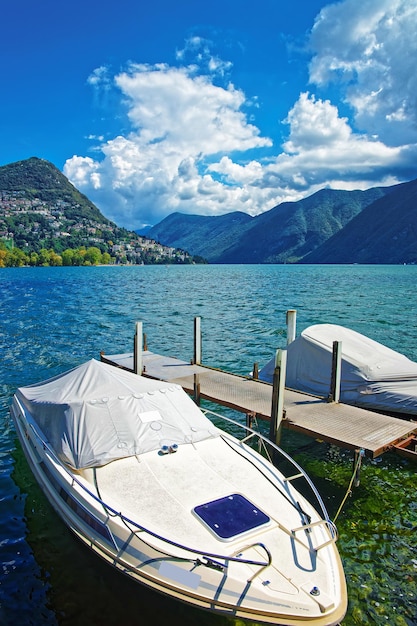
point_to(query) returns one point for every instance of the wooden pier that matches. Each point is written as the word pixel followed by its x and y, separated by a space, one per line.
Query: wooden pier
pixel 340 424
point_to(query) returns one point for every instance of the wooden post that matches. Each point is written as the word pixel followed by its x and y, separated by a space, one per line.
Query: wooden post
pixel 336 372
pixel 278 388
pixel 138 349
pixel 250 418
pixel 197 340
pixel 255 371
pixel 291 325
pixel 197 389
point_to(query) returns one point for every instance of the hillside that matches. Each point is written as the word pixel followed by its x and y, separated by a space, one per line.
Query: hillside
pixel 41 210
pixel 284 234
pixel 39 179
pixel 384 232
pixel 209 235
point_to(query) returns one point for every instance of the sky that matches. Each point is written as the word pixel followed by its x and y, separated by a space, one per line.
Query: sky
pixel 210 107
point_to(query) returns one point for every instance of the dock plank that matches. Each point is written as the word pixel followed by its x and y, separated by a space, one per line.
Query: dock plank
pixel 344 425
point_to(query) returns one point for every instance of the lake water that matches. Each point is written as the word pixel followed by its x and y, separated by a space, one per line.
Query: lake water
pixel 53 319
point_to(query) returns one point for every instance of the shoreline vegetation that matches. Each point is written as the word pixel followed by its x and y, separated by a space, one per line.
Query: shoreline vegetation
pixel 80 257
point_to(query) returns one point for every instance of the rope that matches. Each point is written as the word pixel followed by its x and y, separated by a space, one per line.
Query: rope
pixel 349 489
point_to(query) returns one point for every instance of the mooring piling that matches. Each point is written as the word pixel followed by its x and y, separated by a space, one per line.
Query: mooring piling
pixel 278 389
pixel 334 395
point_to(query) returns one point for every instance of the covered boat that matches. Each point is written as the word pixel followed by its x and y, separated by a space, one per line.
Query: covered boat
pixel 372 376
pixel 142 476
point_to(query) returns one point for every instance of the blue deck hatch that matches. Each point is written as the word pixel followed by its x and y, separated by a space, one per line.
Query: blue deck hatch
pixel 231 516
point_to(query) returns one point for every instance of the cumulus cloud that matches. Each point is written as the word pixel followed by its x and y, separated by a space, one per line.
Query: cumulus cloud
pixel 322 147
pixel 180 122
pixel 192 147
pixel 369 50
pixel 185 112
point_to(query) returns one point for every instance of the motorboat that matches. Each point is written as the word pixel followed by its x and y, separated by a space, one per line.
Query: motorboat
pixel 152 484
pixel 373 376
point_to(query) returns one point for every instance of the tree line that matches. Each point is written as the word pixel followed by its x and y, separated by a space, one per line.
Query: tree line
pixel 16 257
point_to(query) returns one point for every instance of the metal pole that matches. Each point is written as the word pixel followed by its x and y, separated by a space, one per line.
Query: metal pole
pixel 138 349
pixel 197 389
pixel 278 388
pixel 357 463
pixel 291 325
pixel 336 372
pixel 197 340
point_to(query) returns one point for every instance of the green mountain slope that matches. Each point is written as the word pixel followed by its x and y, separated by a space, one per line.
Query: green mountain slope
pixel 284 234
pixel 201 235
pixel 384 232
pixel 37 178
pixel 291 230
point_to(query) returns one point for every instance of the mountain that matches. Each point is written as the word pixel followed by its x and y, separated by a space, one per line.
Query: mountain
pixel 209 235
pixel 384 232
pixel 39 179
pixel 285 234
pixel 41 210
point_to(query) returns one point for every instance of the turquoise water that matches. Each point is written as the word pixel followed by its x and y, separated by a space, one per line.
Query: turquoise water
pixel 53 319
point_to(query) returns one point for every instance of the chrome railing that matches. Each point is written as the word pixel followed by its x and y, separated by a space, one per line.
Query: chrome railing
pixel 300 473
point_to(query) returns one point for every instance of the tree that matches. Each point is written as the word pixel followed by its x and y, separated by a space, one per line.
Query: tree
pixel 44 257
pixel 92 256
pixel 78 258
pixel 55 259
pixel 16 258
pixel 34 259
pixel 106 258
pixel 68 257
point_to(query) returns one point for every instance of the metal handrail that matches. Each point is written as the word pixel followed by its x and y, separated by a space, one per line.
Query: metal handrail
pixel 287 457
pixel 328 523
pixel 261 545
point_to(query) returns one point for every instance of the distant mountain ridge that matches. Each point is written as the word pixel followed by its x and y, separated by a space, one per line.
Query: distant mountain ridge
pixel 289 233
pixel 210 235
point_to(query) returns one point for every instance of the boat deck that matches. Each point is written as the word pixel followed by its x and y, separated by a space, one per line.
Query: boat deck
pixel 341 424
pixel 160 490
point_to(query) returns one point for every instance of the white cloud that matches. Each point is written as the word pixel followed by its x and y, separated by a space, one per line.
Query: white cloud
pixel 369 50
pixel 321 150
pixel 322 147
pixel 179 122
pixel 186 112
pixel 191 147
pixel 315 123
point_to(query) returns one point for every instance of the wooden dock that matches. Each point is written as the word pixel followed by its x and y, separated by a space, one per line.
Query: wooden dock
pixel 341 424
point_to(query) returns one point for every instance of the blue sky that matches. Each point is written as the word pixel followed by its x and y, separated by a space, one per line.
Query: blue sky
pixel 210 107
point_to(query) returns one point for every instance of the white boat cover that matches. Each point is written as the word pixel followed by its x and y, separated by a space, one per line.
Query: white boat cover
pixel 372 375
pixel 97 413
